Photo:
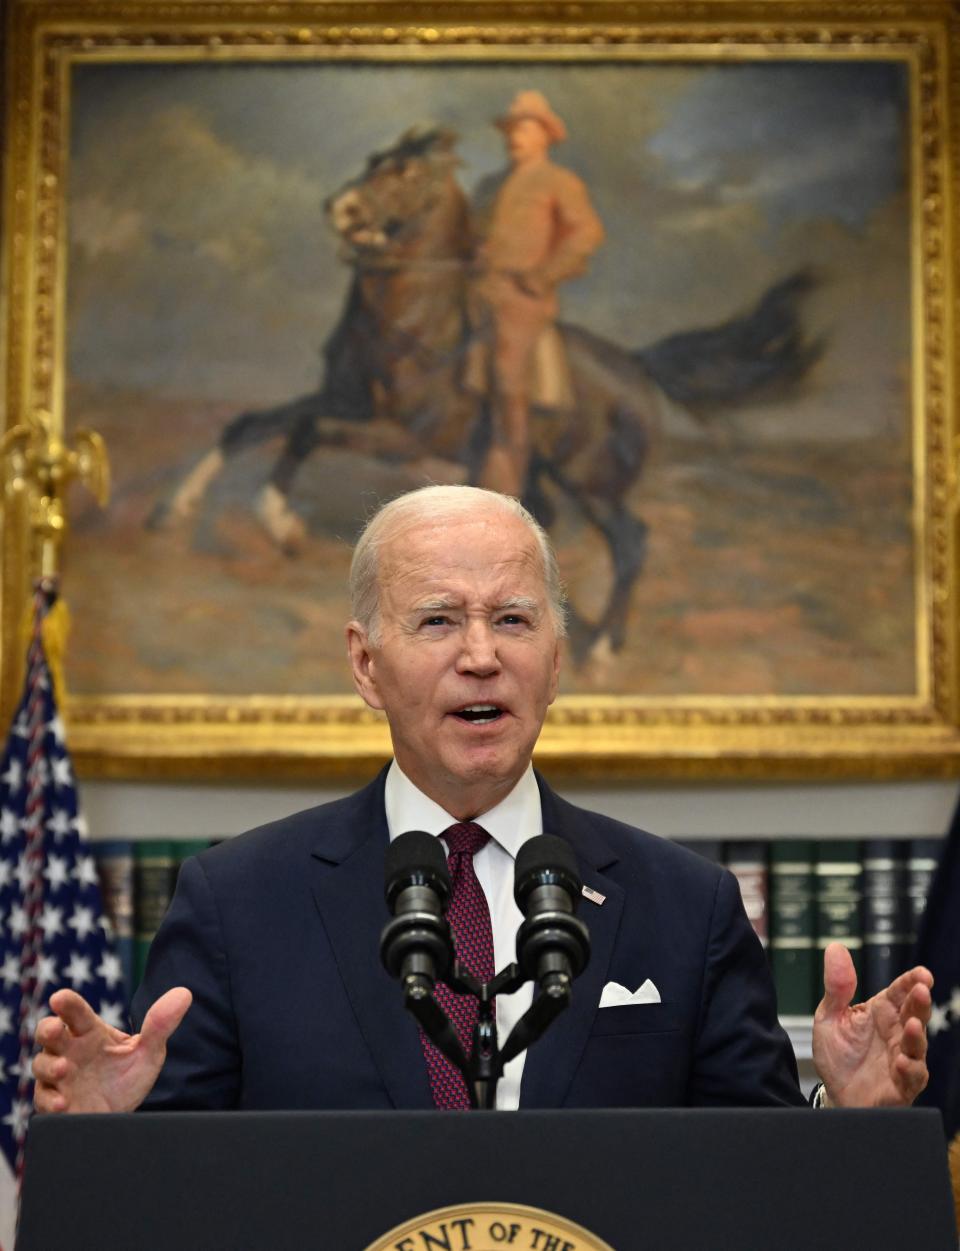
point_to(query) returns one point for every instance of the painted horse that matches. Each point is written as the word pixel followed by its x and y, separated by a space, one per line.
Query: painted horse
pixel 394 380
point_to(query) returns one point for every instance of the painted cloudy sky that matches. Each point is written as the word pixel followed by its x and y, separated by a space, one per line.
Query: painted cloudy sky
pixel 200 264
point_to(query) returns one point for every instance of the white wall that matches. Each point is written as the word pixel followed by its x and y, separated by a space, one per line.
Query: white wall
pixel 863 810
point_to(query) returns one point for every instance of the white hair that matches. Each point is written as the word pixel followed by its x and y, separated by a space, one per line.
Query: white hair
pixel 433 504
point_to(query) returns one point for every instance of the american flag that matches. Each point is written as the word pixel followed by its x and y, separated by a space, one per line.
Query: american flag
pixel 53 932
pixel 939 949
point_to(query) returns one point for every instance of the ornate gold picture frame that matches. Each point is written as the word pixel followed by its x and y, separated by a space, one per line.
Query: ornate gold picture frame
pixel 763 348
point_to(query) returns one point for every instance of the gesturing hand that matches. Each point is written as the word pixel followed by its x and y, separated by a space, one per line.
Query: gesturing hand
pixel 86 1065
pixel 874 1054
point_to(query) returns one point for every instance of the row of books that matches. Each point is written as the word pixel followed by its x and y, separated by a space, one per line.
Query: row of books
pixel 801 894
pixel 136 882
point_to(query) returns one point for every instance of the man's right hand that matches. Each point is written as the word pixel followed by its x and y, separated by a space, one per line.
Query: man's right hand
pixel 85 1065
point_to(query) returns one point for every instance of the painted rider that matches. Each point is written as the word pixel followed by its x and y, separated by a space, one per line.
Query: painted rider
pixel 538 229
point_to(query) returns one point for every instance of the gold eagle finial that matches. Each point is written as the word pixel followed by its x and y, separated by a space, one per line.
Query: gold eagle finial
pixel 40 465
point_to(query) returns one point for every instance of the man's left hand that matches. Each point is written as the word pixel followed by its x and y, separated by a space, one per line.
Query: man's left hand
pixel 872 1055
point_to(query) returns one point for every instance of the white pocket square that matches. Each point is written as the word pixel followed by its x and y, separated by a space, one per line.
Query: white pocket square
pixel 615 996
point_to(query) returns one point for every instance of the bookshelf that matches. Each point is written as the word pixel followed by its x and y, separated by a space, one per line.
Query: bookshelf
pixel 151 868
pixel 694 813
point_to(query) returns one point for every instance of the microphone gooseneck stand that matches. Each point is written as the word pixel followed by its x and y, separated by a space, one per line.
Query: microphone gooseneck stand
pixel 483 1068
pixel 553 946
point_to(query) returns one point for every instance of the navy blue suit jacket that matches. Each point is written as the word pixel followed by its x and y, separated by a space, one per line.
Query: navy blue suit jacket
pixel 277 934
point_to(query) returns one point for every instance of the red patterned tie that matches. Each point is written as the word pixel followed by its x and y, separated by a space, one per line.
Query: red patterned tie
pixel 469 919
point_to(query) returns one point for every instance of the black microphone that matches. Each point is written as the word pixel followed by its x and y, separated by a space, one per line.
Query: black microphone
pixel 416 945
pixel 553 945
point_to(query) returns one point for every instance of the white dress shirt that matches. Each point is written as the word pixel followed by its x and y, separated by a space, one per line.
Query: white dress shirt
pixel 509 824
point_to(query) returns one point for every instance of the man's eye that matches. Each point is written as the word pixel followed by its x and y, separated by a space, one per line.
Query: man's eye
pixel 436 620
pixel 513 618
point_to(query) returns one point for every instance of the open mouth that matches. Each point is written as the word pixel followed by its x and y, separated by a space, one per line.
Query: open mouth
pixel 479 714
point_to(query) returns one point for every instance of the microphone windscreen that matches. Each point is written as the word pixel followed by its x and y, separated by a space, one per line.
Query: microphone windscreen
pixel 416 856
pixel 545 858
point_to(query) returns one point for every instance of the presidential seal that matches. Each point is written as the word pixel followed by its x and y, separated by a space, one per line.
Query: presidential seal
pixel 489 1227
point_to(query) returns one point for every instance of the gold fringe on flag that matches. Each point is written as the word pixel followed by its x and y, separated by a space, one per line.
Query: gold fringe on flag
pixel 54 633
pixel 954 1157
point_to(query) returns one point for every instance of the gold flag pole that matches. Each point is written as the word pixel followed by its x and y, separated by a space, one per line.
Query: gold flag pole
pixel 37 467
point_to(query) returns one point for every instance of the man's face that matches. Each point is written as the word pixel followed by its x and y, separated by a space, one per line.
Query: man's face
pixel 468 657
pixel 526 140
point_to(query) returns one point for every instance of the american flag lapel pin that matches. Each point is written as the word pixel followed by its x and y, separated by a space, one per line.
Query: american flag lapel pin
pixel 593 895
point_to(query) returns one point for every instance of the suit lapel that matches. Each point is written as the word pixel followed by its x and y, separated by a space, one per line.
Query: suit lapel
pixel 552 1062
pixel 347 881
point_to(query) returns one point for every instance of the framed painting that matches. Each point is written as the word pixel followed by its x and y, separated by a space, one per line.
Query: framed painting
pixel 248 244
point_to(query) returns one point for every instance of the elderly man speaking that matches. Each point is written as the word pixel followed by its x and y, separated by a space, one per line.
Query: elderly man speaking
pixel 265 980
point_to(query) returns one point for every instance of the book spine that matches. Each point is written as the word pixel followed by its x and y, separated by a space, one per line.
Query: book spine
pixel 886 925
pixel 922 857
pixel 709 848
pixel 114 859
pixel 184 848
pixel 839 893
pixel 792 940
pixel 154 869
pixel 747 861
